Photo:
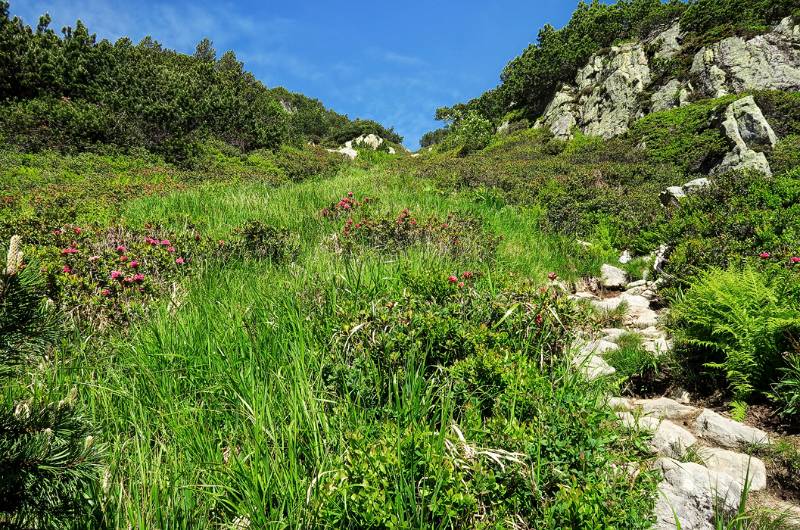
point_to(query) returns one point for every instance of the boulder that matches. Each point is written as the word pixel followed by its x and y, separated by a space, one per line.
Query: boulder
pixel 668 439
pixel 612 277
pixel 726 432
pixel 690 495
pixel 660 259
pixel 667 97
pixel 672 196
pixel 766 62
pixel 739 466
pixel 665 408
pixel 657 346
pixel 696 184
pixel 613 84
pixel 748 130
pixel 370 140
pixel 347 151
pixel 613 334
pixel 641 317
pixel 588 358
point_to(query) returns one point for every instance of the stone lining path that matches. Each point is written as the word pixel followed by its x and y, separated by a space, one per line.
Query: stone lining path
pixel 697 448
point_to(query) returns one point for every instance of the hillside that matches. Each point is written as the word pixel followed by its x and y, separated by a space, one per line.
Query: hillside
pixel 224 305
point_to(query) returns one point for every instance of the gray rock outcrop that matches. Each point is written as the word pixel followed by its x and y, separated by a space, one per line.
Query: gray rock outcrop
pixel 765 62
pixel 607 94
pixel 748 129
pixel 604 97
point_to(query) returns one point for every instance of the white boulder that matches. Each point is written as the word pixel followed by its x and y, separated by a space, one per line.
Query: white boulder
pixel 690 495
pixel 727 432
pixel 740 466
pixel 612 277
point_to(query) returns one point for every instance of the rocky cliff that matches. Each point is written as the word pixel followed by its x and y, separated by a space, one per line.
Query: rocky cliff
pixel 624 83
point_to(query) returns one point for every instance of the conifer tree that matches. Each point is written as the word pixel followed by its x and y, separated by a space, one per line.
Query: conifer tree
pixel 48 458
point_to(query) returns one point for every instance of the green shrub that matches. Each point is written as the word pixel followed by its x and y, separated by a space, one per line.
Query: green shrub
pixel 786 155
pixel 732 222
pixel 40 124
pixel 472 133
pixel 64 93
pixel 739 321
pixel 685 136
pixel 309 162
pixel 782 110
pixel 713 17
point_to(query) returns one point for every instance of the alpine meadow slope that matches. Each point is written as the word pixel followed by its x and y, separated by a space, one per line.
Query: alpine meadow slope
pixel 224 305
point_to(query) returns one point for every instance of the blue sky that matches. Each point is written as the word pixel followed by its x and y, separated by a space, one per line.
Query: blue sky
pixel 394 62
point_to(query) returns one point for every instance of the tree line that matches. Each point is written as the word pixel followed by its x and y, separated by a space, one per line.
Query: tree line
pixel 74 92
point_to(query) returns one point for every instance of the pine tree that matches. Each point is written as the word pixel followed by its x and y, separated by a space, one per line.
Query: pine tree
pixel 48 458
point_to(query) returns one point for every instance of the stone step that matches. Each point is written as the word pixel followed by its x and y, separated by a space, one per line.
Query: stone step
pixel 726 432
pixel 691 494
pixel 743 468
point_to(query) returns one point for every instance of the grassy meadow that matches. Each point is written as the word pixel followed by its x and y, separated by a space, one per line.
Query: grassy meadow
pixel 408 375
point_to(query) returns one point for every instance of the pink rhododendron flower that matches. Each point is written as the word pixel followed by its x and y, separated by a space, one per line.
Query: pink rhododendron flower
pixel 116 275
pixel 468 275
pixel 795 260
pixel 77 230
pixel 124 259
pixel 138 278
pixel 133 264
pixel 121 249
pixel 166 243
pixel 180 261
pixel 171 249
pixel 67 269
pixel 106 292
pixel 765 255
pixel 552 276
pixel 94 258
pixel 57 232
pixel 460 285
pixel 68 251
pixel 453 279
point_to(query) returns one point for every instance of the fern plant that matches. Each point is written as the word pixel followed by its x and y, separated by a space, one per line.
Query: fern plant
pixel 740 319
pixel 48 458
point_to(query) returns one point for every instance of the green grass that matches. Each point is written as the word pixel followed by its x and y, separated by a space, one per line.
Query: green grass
pixel 353 390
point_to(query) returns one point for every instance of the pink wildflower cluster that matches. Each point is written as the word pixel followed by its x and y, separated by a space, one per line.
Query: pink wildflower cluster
pixel 405 217
pixel 466 276
pixel 345 205
pixel 794 260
